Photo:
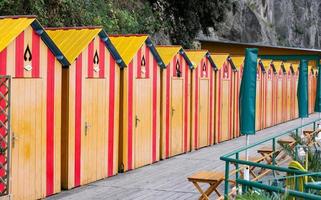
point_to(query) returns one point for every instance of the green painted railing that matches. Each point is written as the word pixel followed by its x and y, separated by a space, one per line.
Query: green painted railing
pixel 233 157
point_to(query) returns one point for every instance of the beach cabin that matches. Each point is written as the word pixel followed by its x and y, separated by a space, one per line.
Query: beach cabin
pixel 175 102
pixel 139 102
pixel 33 64
pixel 90 109
pixel 202 98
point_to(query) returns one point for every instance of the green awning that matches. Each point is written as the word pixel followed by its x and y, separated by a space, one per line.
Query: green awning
pixel 303 86
pixel 317 106
pixel 247 98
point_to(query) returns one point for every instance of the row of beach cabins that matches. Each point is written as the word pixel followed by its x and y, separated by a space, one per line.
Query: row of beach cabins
pixel 86 105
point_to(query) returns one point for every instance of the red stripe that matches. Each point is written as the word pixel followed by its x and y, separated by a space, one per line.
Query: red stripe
pixel 111 115
pixel 155 66
pixel 102 49
pixel 147 53
pixel 139 60
pixel 78 105
pixel 50 123
pixel 231 103
pixel 3 62
pixel 185 75
pixel 35 62
pixel 90 60
pixel 196 109
pixel 219 96
pixel 130 115
pixel 167 100
pixel 19 55
pixel 211 105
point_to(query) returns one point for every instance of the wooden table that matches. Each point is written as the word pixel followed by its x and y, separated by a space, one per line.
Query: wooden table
pixel 214 179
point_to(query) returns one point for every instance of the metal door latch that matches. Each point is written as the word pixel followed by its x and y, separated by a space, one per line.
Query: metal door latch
pixel 87 126
pixel 14 138
pixel 136 121
pixel 172 111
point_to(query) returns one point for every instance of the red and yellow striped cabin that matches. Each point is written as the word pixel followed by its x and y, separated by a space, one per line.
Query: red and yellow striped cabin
pixel 140 101
pixel 281 91
pixel 90 92
pixel 29 56
pixel 237 63
pixel 223 104
pixel 290 100
pixel 295 66
pixel 175 103
pixel 261 94
pixel 202 98
pixel 312 87
pixel 271 93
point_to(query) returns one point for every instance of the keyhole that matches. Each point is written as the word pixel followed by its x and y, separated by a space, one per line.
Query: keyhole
pixel 96 58
pixel 27 54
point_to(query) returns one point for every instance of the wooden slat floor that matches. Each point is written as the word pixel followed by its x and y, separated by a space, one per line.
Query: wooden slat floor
pixel 167 179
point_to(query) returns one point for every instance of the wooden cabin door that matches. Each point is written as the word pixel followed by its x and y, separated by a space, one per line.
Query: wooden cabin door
pixel 279 104
pixel 225 109
pixel 177 116
pixel 28 138
pixel 143 121
pixel 94 150
pixel 203 113
pixel 269 103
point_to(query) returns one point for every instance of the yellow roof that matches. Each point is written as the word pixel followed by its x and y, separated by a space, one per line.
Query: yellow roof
pixel 10 28
pixel 72 41
pixel 128 45
pixel 195 56
pixel 266 63
pixel 219 59
pixel 287 66
pixel 277 65
pixel 238 61
pixel 167 52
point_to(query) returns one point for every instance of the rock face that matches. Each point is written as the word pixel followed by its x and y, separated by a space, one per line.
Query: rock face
pixel 294 23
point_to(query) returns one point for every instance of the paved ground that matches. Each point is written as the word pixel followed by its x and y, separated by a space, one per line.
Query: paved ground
pixel 167 179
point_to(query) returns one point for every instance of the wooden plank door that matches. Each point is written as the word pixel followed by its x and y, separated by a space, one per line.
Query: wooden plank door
pixel 225 105
pixel 279 102
pixel 143 121
pixel 94 149
pixel 28 139
pixel 177 116
pixel 269 100
pixel 204 113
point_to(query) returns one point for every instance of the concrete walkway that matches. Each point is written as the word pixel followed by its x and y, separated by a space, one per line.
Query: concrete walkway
pixel 167 179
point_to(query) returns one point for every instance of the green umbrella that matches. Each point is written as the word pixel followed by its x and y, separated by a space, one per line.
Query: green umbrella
pixel 317 106
pixel 248 93
pixel 303 95
pixel 303 86
pixel 247 99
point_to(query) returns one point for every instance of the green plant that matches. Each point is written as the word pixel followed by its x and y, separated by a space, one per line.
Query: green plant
pixel 261 195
